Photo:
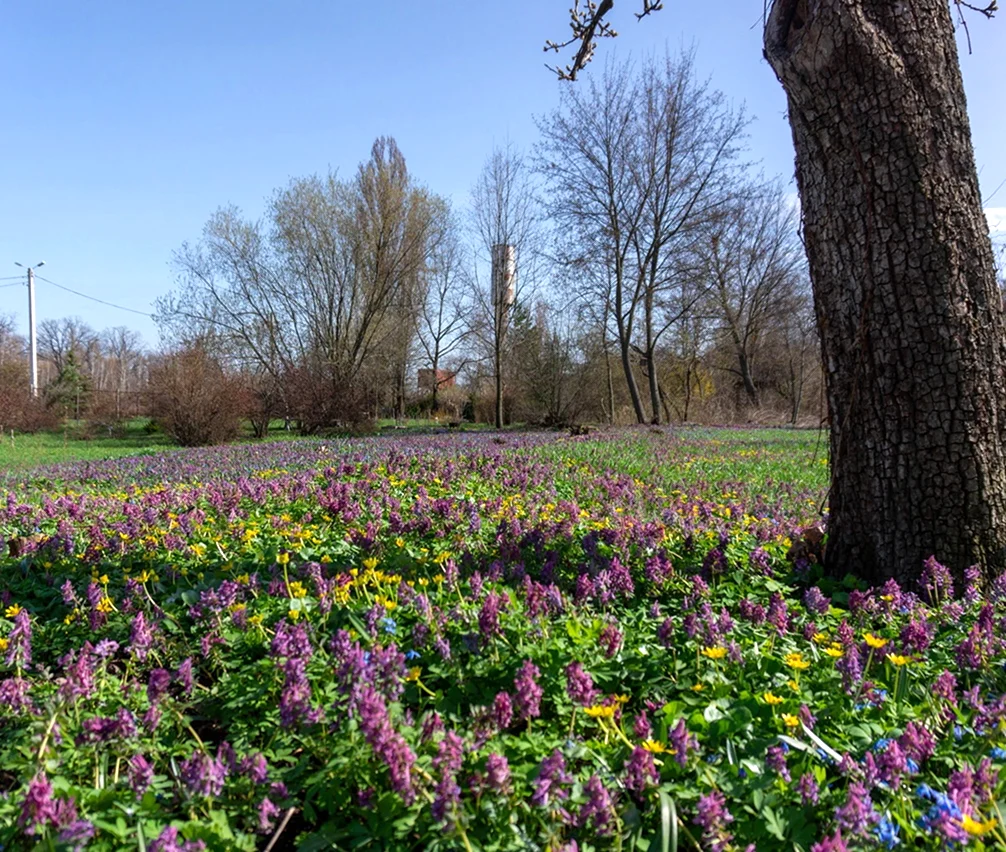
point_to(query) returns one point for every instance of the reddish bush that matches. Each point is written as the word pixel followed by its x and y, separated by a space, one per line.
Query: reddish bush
pixel 194 400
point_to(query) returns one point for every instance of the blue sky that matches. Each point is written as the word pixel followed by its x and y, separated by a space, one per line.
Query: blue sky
pixel 126 124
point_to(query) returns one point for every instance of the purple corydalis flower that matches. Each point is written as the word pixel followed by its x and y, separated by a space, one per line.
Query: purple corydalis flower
pixel 857 815
pixel 551 781
pixel 640 771
pixel 681 742
pixel 489 616
pixel 597 810
pixel 610 640
pixel 815 601
pixel 267 813
pixel 807 787
pixel 254 767
pixel 203 775
pixel 158 682
pixel 502 712
pixel 19 641
pixel 140 774
pixel 527 692
pixel 497 773
pixel 39 807
pixel 580 685
pixel 141 637
pixel 775 759
pixel 713 817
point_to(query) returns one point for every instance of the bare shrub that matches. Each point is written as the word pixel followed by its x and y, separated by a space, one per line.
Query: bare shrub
pixel 18 409
pixel 193 399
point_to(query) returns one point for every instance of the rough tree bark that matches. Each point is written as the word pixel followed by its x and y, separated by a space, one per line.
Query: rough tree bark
pixel 910 317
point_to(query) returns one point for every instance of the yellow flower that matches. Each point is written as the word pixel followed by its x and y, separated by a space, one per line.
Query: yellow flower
pixel 297 589
pixel 105 605
pixel 654 747
pixel 790 720
pixel 282 558
pixel 3 644
pixel 977 829
pixel 698 687
pixel 716 653
pixel 399 542
pixel 413 674
pixel 899 660
pixel 792 684
pixel 620 699
pixel 834 652
pixel 820 638
pixel 294 614
pixel 796 661
pixel 103 579
pixel 600 711
pixel 370 563
pixel 325 559
pixel 12 610
pixel 255 620
pixel 874 641
pixel 772 699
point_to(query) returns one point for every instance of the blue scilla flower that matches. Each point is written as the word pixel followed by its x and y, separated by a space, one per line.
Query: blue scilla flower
pixel 958 733
pixel 997 753
pixel 881 744
pixel 911 765
pixel 389 625
pixel 887 832
pixel 412 654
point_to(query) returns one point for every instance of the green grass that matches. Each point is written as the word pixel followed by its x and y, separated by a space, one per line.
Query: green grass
pixel 25 451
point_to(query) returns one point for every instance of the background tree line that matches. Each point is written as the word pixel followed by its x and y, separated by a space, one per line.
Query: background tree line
pixel 657 279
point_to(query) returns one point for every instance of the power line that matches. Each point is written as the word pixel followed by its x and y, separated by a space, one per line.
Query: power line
pixel 94 299
pixel 12 284
pixel 12 278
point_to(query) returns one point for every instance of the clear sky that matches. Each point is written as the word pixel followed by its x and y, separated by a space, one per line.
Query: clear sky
pixel 126 124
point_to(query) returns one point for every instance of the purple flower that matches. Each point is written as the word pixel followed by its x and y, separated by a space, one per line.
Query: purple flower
pixel 140 774
pixel 39 807
pixel 255 767
pixel 527 691
pixel 815 601
pixel 775 759
pixel 857 815
pixel 267 813
pixel 14 695
pixel 446 797
pixel 489 616
pixel 203 775
pixel 830 844
pixel 640 771
pixel 497 773
pixel 158 682
pixel 681 742
pixel 713 817
pixel 610 640
pixel 184 676
pixel 551 781
pixel 936 583
pixel 167 841
pixel 76 834
pixel 19 641
pixel 580 685
pixel 597 810
pixel 502 712
pixel 806 786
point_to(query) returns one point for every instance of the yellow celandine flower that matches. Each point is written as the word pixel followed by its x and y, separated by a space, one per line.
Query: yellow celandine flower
pixel 105 605
pixel 977 829
pixel 12 610
pixel 325 559
pixel 698 687
pixel 715 653
pixel 297 589
pixel 370 563
pixel 899 659
pixel 103 579
pixel 3 644
pixel 282 558
pixel 874 641
pixel 399 542
pixel 790 720
pixel 294 614
pixel 256 620
pixel 820 638
pixel 413 674
pixel 792 684
pixel 772 699
pixel 796 661
pixel 620 699
pixel 834 652
pixel 654 747
pixel 600 711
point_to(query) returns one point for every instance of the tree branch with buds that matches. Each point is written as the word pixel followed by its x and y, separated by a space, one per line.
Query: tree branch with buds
pixel 586 21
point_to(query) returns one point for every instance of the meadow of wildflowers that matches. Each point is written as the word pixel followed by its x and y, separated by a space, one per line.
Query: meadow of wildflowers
pixel 480 642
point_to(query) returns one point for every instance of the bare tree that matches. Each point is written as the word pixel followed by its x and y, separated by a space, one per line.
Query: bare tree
pixel 637 165
pixel 123 348
pixel 59 339
pixel 12 345
pixel 444 313
pixel 311 295
pixel 754 259
pixel 505 219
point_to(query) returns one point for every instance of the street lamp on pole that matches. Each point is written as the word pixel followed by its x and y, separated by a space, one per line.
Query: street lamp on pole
pixel 32 345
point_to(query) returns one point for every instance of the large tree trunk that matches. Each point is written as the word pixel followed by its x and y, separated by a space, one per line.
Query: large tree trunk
pixel 910 318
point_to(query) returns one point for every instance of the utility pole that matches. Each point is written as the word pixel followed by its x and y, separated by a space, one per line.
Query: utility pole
pixel 32 343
